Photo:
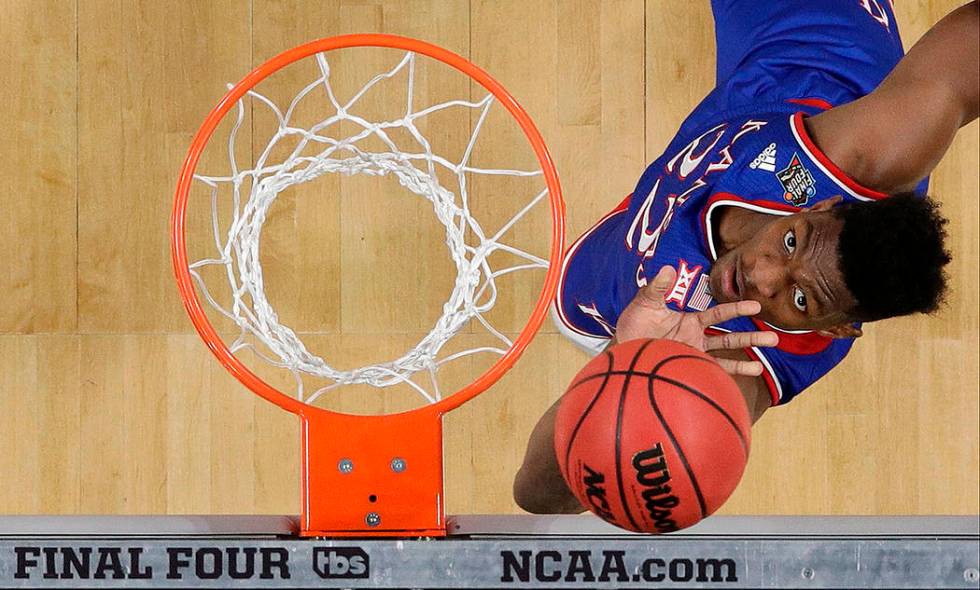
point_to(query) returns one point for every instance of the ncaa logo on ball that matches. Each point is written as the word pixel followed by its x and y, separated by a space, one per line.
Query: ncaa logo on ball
pixel 595 491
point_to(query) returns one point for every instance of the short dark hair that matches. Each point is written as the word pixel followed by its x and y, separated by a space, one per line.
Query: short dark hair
pixel 892 254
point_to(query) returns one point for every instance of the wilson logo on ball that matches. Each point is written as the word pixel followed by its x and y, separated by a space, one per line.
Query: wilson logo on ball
pixel 653 475
pixel 596 493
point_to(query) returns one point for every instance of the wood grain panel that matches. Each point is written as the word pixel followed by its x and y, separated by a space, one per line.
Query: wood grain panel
pixel 39 424
pixel 480 437
pixel 148 73
pixel 19 425
pixel 500 45
pixel 38 165
pixel 680 66
pixel 211 443
pixel 58 434
pixel 590 111
pixel 124 424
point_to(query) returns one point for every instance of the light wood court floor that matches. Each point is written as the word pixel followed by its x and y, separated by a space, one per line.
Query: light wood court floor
pixel 109 402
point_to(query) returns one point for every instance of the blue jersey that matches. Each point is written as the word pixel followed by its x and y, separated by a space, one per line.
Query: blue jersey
pixel 744 146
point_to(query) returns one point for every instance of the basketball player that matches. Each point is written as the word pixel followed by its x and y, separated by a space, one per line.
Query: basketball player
pixel 788 209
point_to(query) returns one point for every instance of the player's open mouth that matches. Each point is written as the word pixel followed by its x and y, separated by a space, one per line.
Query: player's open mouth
pixel 729 281
pixel 737 285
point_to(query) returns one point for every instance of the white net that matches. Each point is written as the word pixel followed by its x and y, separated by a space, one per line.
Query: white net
pixel 324 149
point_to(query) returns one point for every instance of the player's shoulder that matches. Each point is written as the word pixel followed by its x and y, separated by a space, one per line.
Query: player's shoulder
pixel 783 167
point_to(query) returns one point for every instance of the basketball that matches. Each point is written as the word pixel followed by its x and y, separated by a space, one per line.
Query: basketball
pixel 652 436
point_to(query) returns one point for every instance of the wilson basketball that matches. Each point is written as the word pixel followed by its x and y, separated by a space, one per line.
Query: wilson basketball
pixel 652 435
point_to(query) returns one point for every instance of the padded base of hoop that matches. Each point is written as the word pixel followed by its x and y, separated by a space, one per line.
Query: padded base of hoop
pixel 377 475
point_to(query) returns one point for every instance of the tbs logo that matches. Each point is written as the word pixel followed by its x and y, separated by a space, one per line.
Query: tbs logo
pixel 341 562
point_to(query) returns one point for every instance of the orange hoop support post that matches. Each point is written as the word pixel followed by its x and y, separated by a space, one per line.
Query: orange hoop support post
pixel 367 475
pixel 378 475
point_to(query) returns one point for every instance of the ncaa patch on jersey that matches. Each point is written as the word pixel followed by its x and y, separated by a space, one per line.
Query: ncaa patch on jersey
pixel 798 184
pixel 766 160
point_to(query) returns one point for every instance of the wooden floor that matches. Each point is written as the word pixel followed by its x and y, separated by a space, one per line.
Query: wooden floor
pixel 109 402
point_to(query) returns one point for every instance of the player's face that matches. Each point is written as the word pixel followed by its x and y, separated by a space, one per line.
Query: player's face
pixel 790 267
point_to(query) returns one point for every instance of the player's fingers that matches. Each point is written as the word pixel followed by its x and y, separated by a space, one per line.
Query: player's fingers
pixel 727 311
pixel 738 340
pixel 654 293
pixel 747 368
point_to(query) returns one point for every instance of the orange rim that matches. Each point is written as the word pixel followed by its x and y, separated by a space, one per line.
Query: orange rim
pixel 178 245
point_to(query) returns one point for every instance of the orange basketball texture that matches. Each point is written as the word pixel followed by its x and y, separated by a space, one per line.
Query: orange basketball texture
pixel 652 435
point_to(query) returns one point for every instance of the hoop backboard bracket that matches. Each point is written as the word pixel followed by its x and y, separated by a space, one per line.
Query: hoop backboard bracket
pixel 372 475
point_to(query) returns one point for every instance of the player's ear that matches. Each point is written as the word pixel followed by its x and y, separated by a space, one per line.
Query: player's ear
pixel 826 204
pixel 841 331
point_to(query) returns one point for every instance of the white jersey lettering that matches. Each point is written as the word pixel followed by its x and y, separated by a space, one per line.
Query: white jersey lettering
pixel 748 127
pixel 876 11
pixel 592 312
pixel 723 163
pixel 638 232
pixel 690 163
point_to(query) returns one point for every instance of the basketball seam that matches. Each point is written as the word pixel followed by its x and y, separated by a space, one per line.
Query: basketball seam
pixel 678 450
pixel 691 390
pixel 711 403
pixel 578 425
pixel 619 431
pixel 655 374
pixel 676 356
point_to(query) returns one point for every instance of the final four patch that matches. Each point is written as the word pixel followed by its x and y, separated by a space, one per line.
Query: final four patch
pixel 798 184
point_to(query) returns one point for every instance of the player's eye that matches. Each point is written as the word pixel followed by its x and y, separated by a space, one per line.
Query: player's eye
pixel 789 241
pixel 799 299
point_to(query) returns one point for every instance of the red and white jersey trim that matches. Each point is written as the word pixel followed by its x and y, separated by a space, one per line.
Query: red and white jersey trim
pixel 784 331
pixel 840 178
pixel 558 308
pixel 592 345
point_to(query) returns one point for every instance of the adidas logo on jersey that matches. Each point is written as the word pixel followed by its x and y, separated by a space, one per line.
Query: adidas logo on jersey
pixel 765 160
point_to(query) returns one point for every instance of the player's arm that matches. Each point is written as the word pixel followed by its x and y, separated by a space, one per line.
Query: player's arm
pixel 892 138
pixel 754 389
pixel 539 486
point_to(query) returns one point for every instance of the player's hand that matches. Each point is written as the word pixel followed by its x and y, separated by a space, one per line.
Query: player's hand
pixel 648 316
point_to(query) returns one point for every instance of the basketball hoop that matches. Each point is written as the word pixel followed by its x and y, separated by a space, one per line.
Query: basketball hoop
pixel 361 483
